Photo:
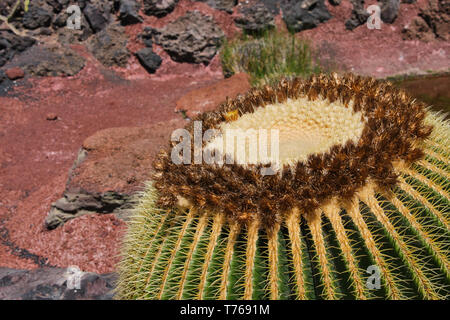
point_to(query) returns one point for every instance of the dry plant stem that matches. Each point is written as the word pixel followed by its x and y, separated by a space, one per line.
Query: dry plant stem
pixel 10 26
pixel 10 16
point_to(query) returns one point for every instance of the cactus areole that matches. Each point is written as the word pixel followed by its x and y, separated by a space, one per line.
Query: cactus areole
pixel 357 206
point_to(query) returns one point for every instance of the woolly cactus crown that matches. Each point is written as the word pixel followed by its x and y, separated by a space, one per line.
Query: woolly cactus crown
pixel 363 182
pixel 336 134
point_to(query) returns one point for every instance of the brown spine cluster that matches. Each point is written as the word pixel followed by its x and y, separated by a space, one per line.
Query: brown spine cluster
pixel 394 123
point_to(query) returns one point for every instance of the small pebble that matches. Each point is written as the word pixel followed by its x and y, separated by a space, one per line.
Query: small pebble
pixel 52 116
pixel 15 73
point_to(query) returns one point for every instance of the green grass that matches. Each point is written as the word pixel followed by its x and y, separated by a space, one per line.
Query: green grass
pixel 268 57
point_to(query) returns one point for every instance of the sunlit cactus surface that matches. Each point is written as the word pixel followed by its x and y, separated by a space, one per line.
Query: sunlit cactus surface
pixel 357 209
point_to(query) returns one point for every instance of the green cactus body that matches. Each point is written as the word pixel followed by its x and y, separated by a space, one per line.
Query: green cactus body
pixel 329 251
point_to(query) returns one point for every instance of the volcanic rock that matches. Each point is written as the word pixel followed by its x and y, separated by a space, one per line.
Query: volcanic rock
pixel 111 167
pixel 147 37
pixel 208 98
pixel 437 15
pixel 55 284
pixel 39 14
pixel 255 17
pixel 304 14
pixel 11 44
pixel 272 5
pixel 159 8
pixel 57 5
pixel 5 6
pixel 389 10
pixel 359 15
pixel 418 29
pixel 193 38
pixel 225 5
pixel 149 60
pixel 129 12
pixel 98 14
pixel 433 22
pixel 49 60
pixel 69 36
pixel 109 46
pixel 5 83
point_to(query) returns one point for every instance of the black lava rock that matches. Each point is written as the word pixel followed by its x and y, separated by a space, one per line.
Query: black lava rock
pixel 255 18
pixel 129 12
pixel 272 5
pixel 224 5
pixel 359 15
pixel 389 10
pixel 5 83
pixel 304 14
pixel 11 44
pixel 147 37
pixel 149 60
pixel 193 38
pixel 98 14
pixel 109 46
pixel 55 284
pixel 334 2
pixel 159 8
pixel 37 17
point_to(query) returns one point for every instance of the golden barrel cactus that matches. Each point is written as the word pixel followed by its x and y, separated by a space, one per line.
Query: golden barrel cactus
pixel 357 207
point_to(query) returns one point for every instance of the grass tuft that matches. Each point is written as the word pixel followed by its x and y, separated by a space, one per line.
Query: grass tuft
pixel 268 57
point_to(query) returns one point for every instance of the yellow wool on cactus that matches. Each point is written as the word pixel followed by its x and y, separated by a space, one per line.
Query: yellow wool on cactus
pixel 358 207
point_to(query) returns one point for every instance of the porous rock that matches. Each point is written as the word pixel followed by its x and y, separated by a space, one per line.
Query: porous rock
pixel 55 284
pixel 98 14
pixel 304 14
pixel 193 38
pixel 159 8
pixel 389 10
pixel 255 17
pixel 12 44
pixel 433 22
pixel 109 46
pixel 149 60
pixel 49 60
pixel 110 168
pixel 437 15
pixel 39 14
pixel 129 12
pixel 358 16
pixel 225 5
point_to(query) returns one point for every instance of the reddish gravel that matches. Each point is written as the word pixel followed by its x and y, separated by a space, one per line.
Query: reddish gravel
pixel 36 155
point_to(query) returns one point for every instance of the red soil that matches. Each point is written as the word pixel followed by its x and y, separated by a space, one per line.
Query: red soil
pixel 36 155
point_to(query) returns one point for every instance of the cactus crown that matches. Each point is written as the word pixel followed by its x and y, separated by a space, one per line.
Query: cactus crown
pixel 336 135
pixel 374 200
